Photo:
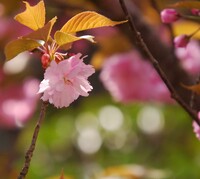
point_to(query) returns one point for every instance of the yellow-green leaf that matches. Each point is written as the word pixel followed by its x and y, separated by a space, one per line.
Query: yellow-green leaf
pixel 87 20
pixel 15 47
pixel 33 17
pixel 62 38
pixel 187 4
pixel 42 33
pixel 195 88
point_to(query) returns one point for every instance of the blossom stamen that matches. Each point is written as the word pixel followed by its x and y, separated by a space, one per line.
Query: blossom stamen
pixel 67 82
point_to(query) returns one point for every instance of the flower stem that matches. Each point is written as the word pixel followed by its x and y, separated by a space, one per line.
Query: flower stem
pixel 31 149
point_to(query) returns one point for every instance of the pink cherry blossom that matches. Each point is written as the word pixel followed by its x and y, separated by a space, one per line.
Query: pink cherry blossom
pixel 18 103
pixel 189 57
pixel 65 81
pixel 130 78
pixel 196 127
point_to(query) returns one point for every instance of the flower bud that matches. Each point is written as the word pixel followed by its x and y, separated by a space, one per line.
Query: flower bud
pixel 181 40
pixel 195 12
pixel 169 15
pixel 45 59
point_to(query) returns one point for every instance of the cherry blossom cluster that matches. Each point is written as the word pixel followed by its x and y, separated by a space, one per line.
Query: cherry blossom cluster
pixel 189 55
pixel 65 77
pixel 65 80
pixel 18 101
pixel 123 76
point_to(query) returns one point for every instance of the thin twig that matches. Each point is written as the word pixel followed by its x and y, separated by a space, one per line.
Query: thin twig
pixel 31 149
pixel 193 93
pixel 156 65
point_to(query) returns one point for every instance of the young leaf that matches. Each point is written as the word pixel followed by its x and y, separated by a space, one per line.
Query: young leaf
pixel 187 4
pixel 42 33
pixel 87 20
pixel 62 175
pixel 195 88
pixel 15 47
pixel 64 38
pixel 33 17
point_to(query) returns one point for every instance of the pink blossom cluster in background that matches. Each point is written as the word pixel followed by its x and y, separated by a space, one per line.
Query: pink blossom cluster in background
pixel 186 49
pixel 181 40
pixel 7 32
pixel 129 78
pixel 18 103
pixel 190 57
pixel 65 81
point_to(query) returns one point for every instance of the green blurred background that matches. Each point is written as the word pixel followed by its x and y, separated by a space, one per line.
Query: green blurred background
pixel 78 140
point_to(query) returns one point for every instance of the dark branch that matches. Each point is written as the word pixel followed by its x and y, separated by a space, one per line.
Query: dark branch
pixel 31 149
pixel 156 65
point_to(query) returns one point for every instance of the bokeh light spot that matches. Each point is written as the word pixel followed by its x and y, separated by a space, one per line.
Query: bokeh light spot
pixel 89 140
pixel 150 120
pixel 111 118
pixel 17 64
pixel 86 120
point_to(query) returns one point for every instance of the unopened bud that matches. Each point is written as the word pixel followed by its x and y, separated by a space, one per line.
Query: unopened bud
pixel 169 15
pixel 45 59
pixel 181 40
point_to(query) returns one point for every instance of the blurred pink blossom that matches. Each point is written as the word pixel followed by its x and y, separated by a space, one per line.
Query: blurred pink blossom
pixel 130 78
pixel 65 81
pixel 4 27
pixel 7 32
pixel 195 12
pixel 181 40
pixel 18 103
pixel 189 57
pixel 196 127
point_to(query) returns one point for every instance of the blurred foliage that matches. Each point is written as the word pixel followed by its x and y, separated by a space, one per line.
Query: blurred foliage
pixel 173 150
